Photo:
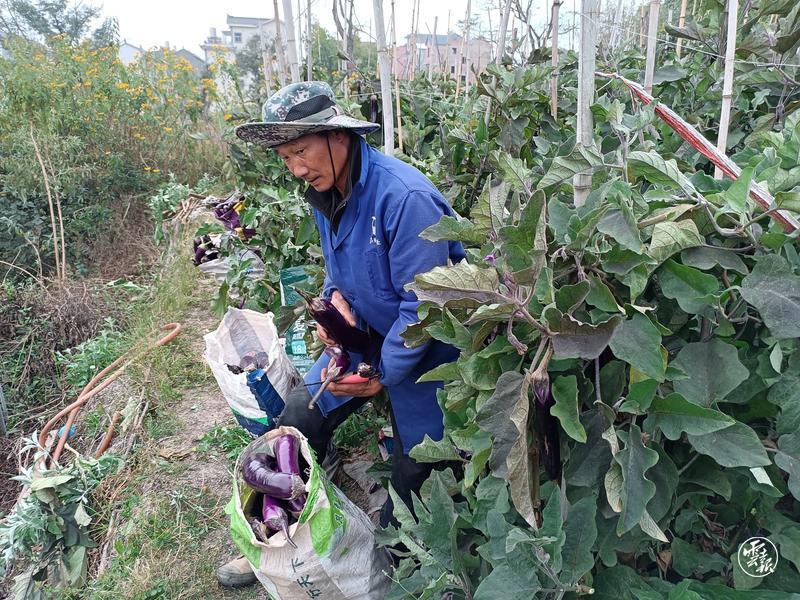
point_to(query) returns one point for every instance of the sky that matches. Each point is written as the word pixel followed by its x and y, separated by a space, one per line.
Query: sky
pixel 185 24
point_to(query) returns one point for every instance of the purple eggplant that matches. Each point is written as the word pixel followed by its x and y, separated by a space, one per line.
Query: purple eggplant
pixel 287 454
pixel 259 476
pixel 275 517
pixel 547 425
pixel 287 459
pixel 341 362
pixel 352 339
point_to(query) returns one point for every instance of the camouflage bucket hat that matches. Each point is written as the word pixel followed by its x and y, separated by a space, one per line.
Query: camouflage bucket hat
pixel 297 110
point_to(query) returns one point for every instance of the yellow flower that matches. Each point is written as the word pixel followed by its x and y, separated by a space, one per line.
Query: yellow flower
pixel 156 170
pixel 228 116
pixel 121 85
pixel 147 169
pixel 168 129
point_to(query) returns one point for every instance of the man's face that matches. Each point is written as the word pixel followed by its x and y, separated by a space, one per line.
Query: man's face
pixel 308 159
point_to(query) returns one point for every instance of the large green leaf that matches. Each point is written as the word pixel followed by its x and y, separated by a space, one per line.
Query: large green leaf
pixel 453 228
pixel 635 459
pixel 788 459
pixel 713 370
pixel 674 415
pixel 688 561
pixel 774 290
pixel 620 225
pixel 514 572
pixel 553 527
pixel 565 393
pixel 786 394
pixel 601 296
pixel 735 446
pixel 738 194
pixel 588 462
pixel 430 451
pixel 576 339
pixel 671 237
pixel 638 343
pixel 505 416
pixel 524 246
pixel 489 212
pixel 655 169
pixel 706 258
pixel 563 168
pixel 689 286
pixel 461 284
pixel 580 532
pixel 570 297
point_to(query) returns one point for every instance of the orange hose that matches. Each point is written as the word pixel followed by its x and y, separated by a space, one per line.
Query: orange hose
pixel 90 390
pixel 109 435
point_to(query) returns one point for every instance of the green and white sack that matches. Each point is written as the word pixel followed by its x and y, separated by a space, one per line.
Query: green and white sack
pixel 336 556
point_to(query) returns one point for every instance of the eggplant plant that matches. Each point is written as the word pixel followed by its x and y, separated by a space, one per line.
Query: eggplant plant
pixel 655 328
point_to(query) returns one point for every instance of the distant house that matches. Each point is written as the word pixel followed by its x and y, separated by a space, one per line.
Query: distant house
pixel 198 64
pixel 439 54
pixel 129 53
pixel 240 31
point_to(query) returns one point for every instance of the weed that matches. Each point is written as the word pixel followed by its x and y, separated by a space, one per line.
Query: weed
pixel 228 439
pixel 359 427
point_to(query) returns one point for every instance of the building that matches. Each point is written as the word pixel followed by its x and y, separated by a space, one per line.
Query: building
pixel 240 31
pixel 198 64
pixel 440 54
pixel 128 53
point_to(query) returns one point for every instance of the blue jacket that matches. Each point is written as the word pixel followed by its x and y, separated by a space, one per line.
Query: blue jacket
pixel 373 254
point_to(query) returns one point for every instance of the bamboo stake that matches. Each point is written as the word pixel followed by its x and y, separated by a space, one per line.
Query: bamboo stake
pixel 554 60
pixel 501 51
pixel 291 43
pixel 396 84
pixel 430 55
pixel 49 203
pixel 309 57
pixel 58 211
pixel 386 89
pixel 266 60
pixel 279 49
pixel 466 51
pixel 652 30
pixel 727 82
pixel 681 23
pixel 590 13
pixel 413 63
pixel 641 26
pixel 460 60
pixel 616 25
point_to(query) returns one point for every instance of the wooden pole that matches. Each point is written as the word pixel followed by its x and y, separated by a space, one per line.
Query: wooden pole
pixel 652 30
pixel 396 83
pixel 590 13
pixel 617 21
pixel 430 54
pixel 266 57
pixel 501 51
pixel 386 85
pixel 309 58
pixel 291 43
pixel 727 82
pixel 554 60
pixel 466 49
pixel 279 49
pixel 641 27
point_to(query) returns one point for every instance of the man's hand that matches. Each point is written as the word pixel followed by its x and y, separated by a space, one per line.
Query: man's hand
pixel 343 307
pixel 366 388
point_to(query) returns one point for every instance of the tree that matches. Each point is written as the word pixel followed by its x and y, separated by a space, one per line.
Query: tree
pixel 41 19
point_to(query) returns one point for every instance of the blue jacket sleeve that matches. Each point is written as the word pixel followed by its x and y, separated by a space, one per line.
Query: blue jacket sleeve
pixel 409 255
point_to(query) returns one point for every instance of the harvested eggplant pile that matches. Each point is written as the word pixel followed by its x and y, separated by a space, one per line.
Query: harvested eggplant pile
pixel 348 339
pixel 277 475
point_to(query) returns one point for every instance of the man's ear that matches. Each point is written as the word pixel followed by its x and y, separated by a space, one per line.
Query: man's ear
pixel 341 136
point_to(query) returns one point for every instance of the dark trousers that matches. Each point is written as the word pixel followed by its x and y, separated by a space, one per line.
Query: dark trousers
pixel 407 476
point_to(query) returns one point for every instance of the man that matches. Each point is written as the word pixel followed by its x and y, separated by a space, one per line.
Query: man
pixel 369 209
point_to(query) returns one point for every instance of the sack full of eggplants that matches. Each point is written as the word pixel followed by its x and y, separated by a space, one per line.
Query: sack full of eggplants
pixel 303 537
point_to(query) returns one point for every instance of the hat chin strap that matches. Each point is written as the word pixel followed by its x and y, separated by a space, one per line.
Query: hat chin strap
pixel 333 166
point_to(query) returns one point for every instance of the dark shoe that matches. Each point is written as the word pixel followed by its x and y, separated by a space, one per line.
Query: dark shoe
pixel 236 573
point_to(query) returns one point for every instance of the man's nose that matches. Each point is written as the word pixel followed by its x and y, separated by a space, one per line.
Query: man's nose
pixel 298 169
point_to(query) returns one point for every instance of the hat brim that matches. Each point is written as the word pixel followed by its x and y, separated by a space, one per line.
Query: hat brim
pixel 271 134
